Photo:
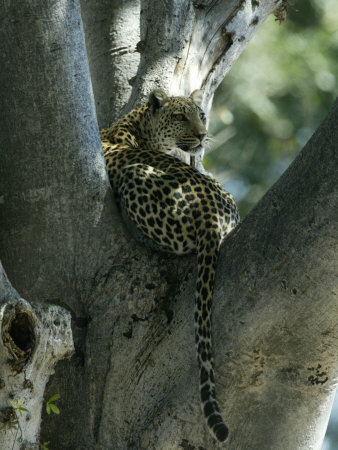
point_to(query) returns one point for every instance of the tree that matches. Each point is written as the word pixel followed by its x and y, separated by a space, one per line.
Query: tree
pixel 132 382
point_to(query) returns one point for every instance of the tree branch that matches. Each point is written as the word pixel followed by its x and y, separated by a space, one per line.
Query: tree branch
pixel 112 30
pixel 177 46
pixel 279 276
pixel 33 338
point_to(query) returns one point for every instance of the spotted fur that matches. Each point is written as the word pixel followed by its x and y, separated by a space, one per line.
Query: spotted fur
pixel 173 207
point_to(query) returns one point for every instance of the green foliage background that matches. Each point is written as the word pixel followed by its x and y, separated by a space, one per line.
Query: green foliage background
pixel 269 105
pixel 273 99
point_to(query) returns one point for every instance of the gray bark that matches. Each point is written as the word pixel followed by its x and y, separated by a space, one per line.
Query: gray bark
pixel 133 382
pixel 112 30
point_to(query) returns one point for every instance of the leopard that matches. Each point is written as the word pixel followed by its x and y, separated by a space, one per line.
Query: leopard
pixel 170 206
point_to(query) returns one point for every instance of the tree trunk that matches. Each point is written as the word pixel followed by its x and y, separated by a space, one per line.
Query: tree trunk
pixel 133 382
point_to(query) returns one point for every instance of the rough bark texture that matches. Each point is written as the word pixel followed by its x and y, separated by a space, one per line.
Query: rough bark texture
pixel 33 338
pixel 112 30
pixel 133 380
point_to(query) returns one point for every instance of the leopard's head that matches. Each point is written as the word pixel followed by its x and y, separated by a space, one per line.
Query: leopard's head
pixel 178 121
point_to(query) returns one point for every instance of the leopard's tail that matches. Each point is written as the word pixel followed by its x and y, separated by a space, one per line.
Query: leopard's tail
pixel 207 258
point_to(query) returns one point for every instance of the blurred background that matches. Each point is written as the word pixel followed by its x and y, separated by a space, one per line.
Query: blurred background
pixel 273 99
pixel 270 104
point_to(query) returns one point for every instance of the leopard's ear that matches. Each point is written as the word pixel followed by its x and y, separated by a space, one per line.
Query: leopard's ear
pixel 157 99
pixel 197 97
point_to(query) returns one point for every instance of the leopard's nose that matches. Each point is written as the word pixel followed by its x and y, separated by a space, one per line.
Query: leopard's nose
pixel 200 136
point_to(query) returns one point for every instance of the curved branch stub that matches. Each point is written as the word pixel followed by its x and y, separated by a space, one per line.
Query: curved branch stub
pixel 33 338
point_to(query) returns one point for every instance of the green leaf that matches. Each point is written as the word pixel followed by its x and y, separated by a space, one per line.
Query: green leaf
pixel 53 398
pixel 54 408
pixel 48 408
pixel 44 446
pixel 21 408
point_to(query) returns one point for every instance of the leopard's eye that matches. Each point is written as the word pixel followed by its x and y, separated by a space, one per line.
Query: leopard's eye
pixel 202 116
pixel 180 117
